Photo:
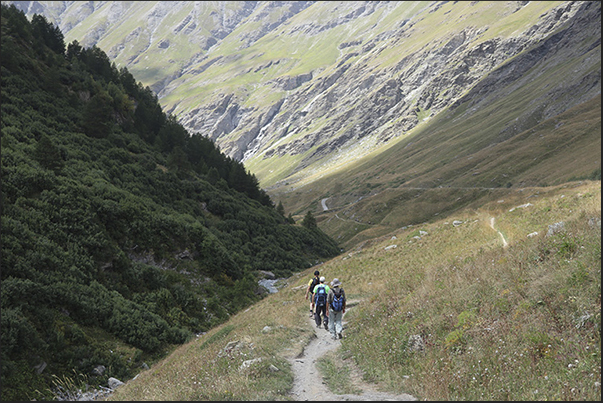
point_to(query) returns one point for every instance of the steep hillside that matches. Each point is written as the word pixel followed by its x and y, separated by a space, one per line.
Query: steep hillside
pixel 122 235
pixel 313 95
pixel 497 303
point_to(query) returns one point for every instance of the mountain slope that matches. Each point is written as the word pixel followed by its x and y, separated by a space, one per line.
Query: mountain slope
pixel 318 77
pixel 301 91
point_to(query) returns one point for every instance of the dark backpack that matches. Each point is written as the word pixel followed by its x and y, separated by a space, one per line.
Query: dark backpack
pixel 315 282
pixel 337 304
pixel 321 296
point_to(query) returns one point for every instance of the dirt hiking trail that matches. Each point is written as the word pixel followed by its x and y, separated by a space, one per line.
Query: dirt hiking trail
pixel 308 384
pixel 502 237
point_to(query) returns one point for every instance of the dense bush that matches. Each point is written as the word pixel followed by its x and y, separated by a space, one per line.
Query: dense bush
pixel 118 227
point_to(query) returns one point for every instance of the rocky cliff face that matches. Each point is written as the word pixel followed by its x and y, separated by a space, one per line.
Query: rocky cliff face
pixel 356 104
pixel 303 85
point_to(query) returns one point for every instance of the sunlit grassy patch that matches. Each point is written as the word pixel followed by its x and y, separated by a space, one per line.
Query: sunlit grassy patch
pixel 497 324
pixel 336 374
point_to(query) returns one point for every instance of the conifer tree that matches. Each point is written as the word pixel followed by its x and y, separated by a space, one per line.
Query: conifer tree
pixel 309 221
pixel 290 219
pixel 213 176
pixel 280 209
pixel 50 35
pixel 48 155
pixel 178 160
pixel 98 116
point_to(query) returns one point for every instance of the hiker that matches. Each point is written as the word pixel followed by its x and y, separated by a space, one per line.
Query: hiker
pixel 310 290
pixel 321 291
pixel 336 308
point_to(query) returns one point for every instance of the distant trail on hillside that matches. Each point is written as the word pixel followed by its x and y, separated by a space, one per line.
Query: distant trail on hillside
pixel 502 237
pixel 324 204
pixel 308 383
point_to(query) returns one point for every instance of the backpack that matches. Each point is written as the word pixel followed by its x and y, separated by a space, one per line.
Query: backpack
pixel 315 282
pixel 337 304
pixel 321 296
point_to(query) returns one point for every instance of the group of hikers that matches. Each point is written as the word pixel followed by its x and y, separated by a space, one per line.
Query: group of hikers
pixel 327 304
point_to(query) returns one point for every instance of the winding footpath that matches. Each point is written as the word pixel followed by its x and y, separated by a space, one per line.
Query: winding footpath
pixel 324 204
pixel 502 237
pixel 308 384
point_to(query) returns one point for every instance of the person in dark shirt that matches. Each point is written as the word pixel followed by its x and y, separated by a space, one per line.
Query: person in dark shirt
pixel 310 290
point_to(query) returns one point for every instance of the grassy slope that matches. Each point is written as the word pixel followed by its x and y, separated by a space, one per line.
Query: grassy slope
pixel 446 152
pixel 147 61
pixel 431 30
pixel 515 323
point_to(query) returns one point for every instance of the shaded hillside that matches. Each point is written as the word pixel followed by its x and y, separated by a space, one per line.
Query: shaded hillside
pixel 437 172
pixel 122 234
pixel 529 122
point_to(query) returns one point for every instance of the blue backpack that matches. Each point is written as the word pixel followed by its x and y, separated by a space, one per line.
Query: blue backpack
pixel 321 296
pixel 337 304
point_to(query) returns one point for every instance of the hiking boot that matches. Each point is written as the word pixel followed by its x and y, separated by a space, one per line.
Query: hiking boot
pixel 340 336
pixel 326 327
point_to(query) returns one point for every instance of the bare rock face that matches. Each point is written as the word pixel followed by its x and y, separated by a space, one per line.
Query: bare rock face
pixel 359 98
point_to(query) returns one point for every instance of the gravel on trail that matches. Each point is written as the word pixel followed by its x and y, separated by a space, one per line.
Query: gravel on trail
pixel 308 383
